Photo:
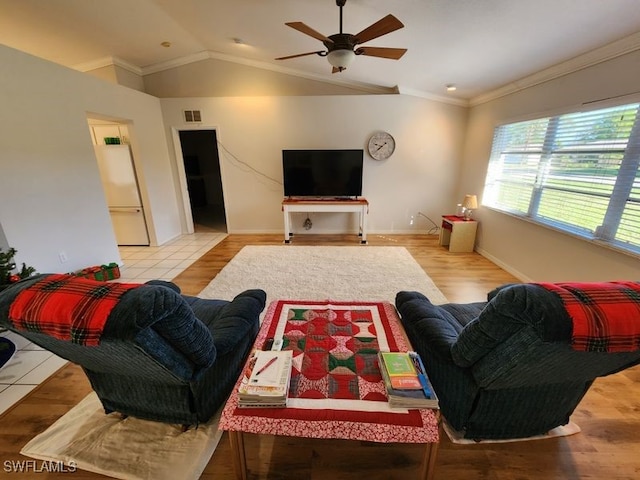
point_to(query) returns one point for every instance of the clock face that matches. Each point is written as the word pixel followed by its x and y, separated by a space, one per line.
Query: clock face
pixel 381 145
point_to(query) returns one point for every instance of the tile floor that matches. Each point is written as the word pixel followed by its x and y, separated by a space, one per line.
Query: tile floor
pixel 31 365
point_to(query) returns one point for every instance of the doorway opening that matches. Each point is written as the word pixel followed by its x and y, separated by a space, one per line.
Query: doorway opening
pixel 204 180
pixel 122 189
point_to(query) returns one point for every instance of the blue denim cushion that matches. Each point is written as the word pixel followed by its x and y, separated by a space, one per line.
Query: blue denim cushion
pixel 511 310
pixel 437 326
pixel 228 321
pixel 161 322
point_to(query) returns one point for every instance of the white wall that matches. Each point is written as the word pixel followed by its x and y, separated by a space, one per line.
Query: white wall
pixel 4 245
pixel 51 199
pixel 421 176
pixel 220 78
pixel 530 251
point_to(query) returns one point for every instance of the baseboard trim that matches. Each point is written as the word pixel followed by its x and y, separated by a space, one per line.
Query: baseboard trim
pixel 332 231
pixel 516 273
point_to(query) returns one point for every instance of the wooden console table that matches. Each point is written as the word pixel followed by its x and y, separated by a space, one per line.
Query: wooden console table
pixel 359 205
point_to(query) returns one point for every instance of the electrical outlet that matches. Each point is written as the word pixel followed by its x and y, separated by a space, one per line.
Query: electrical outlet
pixel 63 257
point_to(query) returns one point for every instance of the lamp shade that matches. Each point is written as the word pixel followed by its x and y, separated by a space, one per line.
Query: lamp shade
pixel 341 58
pixel 470 202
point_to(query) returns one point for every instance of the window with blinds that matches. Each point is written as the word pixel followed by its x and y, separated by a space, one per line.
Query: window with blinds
pixel 576 172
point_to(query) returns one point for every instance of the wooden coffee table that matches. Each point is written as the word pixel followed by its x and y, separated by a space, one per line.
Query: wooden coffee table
pixel 336 388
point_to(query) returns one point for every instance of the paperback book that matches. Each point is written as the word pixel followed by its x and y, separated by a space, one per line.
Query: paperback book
pixel 406 380
pixel 266 379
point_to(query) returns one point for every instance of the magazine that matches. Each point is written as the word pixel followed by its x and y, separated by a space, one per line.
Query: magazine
pixel 266 379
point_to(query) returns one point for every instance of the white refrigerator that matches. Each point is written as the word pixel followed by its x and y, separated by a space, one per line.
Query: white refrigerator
pixel 123 196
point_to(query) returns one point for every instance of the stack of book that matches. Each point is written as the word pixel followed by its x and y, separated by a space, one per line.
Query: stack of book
pixel 406 380
pixel 266 380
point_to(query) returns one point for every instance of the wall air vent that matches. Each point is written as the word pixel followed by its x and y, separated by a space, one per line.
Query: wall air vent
pixel 192 116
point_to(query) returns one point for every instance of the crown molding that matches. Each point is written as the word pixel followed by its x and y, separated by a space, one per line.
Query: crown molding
pixel 176 62
pixel 610 51
pixel 107 62
pixel 209 55
pixel 460 102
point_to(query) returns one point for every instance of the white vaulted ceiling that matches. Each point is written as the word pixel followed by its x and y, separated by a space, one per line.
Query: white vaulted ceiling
pixel 481 46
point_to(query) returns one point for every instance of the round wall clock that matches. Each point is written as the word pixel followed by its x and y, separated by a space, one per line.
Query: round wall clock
pixel 381 145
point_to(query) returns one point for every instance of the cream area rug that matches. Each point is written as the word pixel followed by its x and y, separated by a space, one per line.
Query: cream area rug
pixel 134 449
pixel 323 273
pixel 561 431
pixel 131 449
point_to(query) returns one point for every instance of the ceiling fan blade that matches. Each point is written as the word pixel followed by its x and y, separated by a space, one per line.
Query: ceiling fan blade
pixel 382 52
pixel 386 25
pixel 301 27
pixel 300 55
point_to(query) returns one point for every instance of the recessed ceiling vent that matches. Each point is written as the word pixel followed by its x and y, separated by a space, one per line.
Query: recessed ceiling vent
pixel 192 116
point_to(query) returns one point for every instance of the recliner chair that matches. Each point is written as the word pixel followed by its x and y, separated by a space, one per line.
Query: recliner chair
pixel 162 356
pixel 506 368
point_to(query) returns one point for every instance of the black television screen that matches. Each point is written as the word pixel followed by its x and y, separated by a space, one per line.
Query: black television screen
pixel 322 173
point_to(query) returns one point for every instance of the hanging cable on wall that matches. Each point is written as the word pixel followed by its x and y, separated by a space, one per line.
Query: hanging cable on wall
pixel 433 230
pixel 244 166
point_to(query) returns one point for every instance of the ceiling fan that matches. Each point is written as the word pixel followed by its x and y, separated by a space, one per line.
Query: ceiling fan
pixel 342 48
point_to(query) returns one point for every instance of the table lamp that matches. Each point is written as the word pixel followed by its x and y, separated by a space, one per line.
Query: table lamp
pixel 469 204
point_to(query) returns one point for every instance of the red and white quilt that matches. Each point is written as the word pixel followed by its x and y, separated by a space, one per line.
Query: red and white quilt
pixel 336 386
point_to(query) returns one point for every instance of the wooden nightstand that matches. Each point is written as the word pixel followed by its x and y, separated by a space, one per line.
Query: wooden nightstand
pixel 457 233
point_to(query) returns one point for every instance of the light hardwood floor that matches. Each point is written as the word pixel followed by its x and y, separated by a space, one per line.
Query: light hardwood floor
pixel 609 415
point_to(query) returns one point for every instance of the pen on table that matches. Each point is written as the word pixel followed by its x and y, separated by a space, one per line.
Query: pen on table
pixel 267 365
pixel 422 375
pixel 416 364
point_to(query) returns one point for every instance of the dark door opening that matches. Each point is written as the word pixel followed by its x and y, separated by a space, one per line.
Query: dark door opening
pixel 204 181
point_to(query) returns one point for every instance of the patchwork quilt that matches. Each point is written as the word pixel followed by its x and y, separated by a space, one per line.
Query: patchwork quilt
pixel 336 386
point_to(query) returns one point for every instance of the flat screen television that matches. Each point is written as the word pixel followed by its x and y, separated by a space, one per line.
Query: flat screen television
pixel 322 173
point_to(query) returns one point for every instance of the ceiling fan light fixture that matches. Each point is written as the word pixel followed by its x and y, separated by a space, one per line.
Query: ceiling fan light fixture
pixel 341 58
pixel 341 47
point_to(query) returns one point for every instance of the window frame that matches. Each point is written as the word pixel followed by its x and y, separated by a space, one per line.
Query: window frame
pixel 623 199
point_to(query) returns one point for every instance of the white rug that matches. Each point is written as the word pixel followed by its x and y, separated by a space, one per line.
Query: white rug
pixel 561 431
pixel 131 449
pixel 323 273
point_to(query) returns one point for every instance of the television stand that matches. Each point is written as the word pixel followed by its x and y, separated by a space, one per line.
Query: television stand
pixel 348 205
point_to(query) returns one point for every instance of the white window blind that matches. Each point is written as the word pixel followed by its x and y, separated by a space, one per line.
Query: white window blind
pixel 576 172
